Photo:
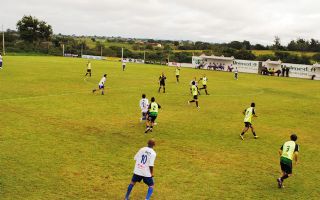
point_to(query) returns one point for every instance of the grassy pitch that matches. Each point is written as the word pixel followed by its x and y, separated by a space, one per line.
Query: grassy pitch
pixel 59 141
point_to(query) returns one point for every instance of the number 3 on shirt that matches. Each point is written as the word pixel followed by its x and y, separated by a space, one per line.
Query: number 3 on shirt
pixel 144 159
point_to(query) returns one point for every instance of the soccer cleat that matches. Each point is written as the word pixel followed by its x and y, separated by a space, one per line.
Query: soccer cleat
pixel 241 136
pixel 198 107
pixel 147 129
pixel 188 102
pixel 256 137
pixel 150 129
pixel 279 183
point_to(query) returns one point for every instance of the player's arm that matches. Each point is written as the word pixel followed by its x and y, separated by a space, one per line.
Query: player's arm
pixel 159 106
pixel 151 170
pixel 254 113
pixel 296 153
pixel 151 164
pixel 280 150
pixel 244 112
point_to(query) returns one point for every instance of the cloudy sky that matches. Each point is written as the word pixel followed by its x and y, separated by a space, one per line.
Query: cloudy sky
pixel 206 20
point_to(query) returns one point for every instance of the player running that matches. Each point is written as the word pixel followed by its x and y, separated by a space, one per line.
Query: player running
pixel 204 80
pixel 196 84
pixel 288 152
pixel 144 105
pixel 194 91
pixel 162 82
pixel 143 169
pixel 88 69
pixel 177 73
pixel 152 115
pixel 248 114
pixel 101 84
pixel 236 73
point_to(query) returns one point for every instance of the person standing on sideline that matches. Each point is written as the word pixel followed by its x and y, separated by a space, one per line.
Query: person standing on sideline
pixel 204 83
pixel 0 61
pixel 177 73
pixel 288 151
pixel 124 65
pixel 101 84
pixel 236 73
pixel 88 69
pixel 162 82
pixel 194 91
pixel 248 114
pixel 143 169
pixel 144 104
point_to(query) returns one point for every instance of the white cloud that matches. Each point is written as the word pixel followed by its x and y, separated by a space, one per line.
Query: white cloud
pixel 208 20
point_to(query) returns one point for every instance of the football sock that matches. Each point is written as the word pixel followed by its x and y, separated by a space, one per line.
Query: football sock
pixel 242 133
pixel 254 133
pixel 197 104
pixel 150 191
pixel 192 101
pixel 129 191
pixel 284 177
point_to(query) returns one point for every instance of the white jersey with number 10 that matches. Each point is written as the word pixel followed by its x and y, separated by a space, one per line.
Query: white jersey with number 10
pixel 144 159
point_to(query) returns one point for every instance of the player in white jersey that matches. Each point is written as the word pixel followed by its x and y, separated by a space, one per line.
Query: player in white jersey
pixel 0 61
pixel 124 63
pixel 144 104
pixel 101 84
pixel 143 169
pixel 236 73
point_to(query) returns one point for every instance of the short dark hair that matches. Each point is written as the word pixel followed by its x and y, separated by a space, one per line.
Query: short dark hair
pixel 294 137
pixel 105 75
pixel 153 99
pixel 193 82
pixel 143 96
pixel 253 104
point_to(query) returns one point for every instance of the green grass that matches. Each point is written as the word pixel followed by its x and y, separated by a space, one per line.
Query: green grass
pixel 59 141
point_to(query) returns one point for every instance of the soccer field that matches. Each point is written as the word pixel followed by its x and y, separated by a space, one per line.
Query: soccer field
pixel 60 141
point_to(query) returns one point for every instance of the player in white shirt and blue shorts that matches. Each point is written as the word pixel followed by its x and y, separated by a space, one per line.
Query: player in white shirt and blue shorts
pixel 144 104
pixel 101 84
pixel 143 169
pixel 0 61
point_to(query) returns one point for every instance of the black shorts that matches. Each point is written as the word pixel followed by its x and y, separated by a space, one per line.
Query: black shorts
pixel 147 180
pixel 287 168
pixel 89 70
pixel 205 86
pixel 247 124
pixel 195 97
pixel 152 118
pixel 177 76
pixel 162 84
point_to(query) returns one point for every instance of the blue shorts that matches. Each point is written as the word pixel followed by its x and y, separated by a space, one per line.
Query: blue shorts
pixel 101 86
pixel 147 180
pixel 0 64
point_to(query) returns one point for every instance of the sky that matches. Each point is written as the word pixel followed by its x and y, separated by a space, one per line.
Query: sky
pixel 257 21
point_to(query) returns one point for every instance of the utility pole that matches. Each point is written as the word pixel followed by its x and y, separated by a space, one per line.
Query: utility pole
pixel 81 50
pixel 101 51
pixel 3 47
pixel 144 57
pixel 63 50
pixel 122 54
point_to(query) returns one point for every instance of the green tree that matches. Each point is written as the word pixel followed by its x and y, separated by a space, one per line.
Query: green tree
pixel 32 30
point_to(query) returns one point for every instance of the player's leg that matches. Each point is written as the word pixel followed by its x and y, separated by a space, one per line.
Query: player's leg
pixel 197 104
pixel 102 90
pixel 148 122
pixel 205 89
pixel 149 181
pixel 159 89
pixel 164 89
pixel 134 179
pixel 253 132
pixel 245 129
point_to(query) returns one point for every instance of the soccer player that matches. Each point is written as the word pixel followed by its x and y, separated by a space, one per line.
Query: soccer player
pixel 144 105
pixel 204 83
pixel 0 61
pixel 194 90
pixel 101 84
pixel 248 114
pixel 88 69
pixel 143 169
pixel 288 152
pixel 162 82
pixel 236 73
pixel 196 84
pixel 152 114
pixel 177 73
pixel 123 65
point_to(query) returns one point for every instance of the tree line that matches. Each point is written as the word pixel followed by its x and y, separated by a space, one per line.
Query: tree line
pixel 36 36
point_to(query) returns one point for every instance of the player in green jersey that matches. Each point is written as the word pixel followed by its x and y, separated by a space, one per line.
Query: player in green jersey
pixel 152 115
pixel 249 113
pixel 288 151
pixel 194 91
